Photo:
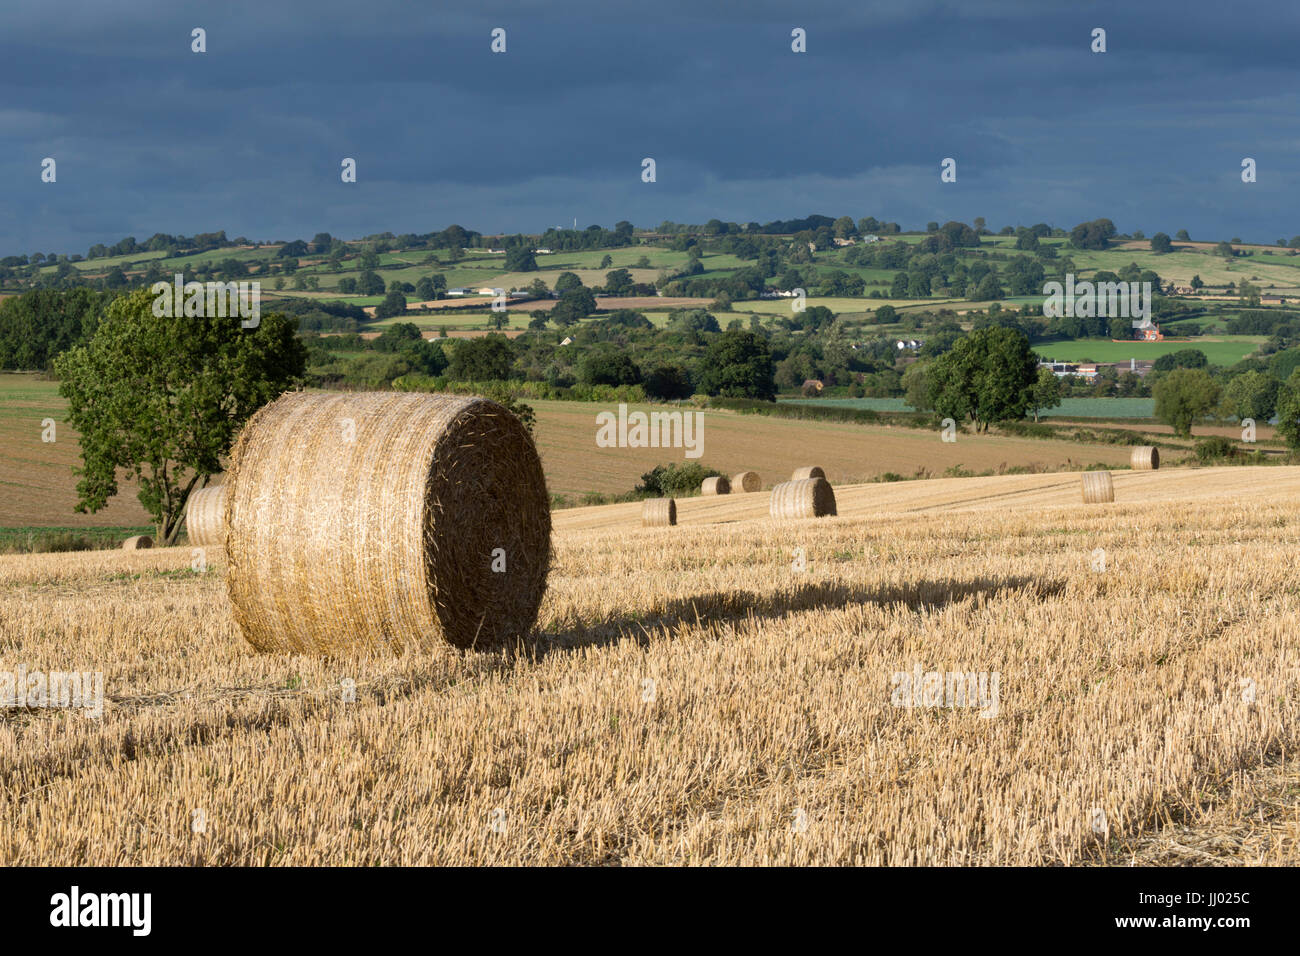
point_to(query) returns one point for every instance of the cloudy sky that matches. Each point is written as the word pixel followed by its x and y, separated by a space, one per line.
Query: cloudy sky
pixel 248 137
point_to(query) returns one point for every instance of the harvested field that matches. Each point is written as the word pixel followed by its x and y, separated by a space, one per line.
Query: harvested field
pixel 691 698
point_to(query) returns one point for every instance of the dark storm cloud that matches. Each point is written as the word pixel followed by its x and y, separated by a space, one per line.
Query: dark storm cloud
pixel 248 137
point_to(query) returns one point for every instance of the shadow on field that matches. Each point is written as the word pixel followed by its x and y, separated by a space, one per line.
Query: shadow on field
pixel 714 606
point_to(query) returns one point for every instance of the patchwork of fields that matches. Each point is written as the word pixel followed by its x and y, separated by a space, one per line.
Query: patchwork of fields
pixel 41 486
pixel 691 696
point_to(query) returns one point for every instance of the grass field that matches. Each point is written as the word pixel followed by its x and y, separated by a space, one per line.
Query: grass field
pixel 691 697
pixel 1220 350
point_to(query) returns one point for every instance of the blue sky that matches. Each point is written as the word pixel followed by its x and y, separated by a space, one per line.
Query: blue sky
pixel 150 137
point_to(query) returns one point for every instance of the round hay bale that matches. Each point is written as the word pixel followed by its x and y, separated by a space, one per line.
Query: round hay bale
pixel 1145 458
pixel 715 486
pixel 385 521
pixel 205 516
pixel 805 498
pixel 811 471
pixel 745 482
pixel 1097 487
pixel 658 513
pixel 137 543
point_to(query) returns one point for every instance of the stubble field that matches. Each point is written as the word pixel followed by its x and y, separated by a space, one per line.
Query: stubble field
pixel 692 697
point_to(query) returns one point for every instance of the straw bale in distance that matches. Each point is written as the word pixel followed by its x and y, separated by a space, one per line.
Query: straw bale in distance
pixel 1145 458
pixel 137 542
pixel 658 513
pixel 746 481
pixel 372 521
pixel 804 498
pixel 811 471
pixel 715 486
pixel 205 516
pixel 1097 487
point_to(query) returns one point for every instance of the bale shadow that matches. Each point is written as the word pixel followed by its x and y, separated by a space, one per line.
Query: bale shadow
pixel 714 606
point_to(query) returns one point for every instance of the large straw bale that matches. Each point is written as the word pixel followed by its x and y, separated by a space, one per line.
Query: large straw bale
pixel 385 521
pixel 1097 487
pixel 746 481
pixel 808 471
pixel 1145 458
pixel 658 513
pixel 805 498
pixel 137 543
pixel 205 516
pixel 715 486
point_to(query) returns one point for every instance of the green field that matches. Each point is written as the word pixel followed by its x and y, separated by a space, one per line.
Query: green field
pixel 1220 350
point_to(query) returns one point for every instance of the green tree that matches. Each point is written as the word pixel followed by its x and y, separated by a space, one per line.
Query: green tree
pixel 1288 411
pixel 520 259
pixel 487 359
pixel 738 364
pixel 1252 395
pixel 574 304
pixel 916 386
pixel 369 283
pixel 1160 243
pixel 1046 392
pixel 987 377
pixel 162 399
pixel 1184 396
pixel 396 336
pixel 566 281
pixel 394 304
pixel 618 282
pixel 668 382
pixel 608 366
